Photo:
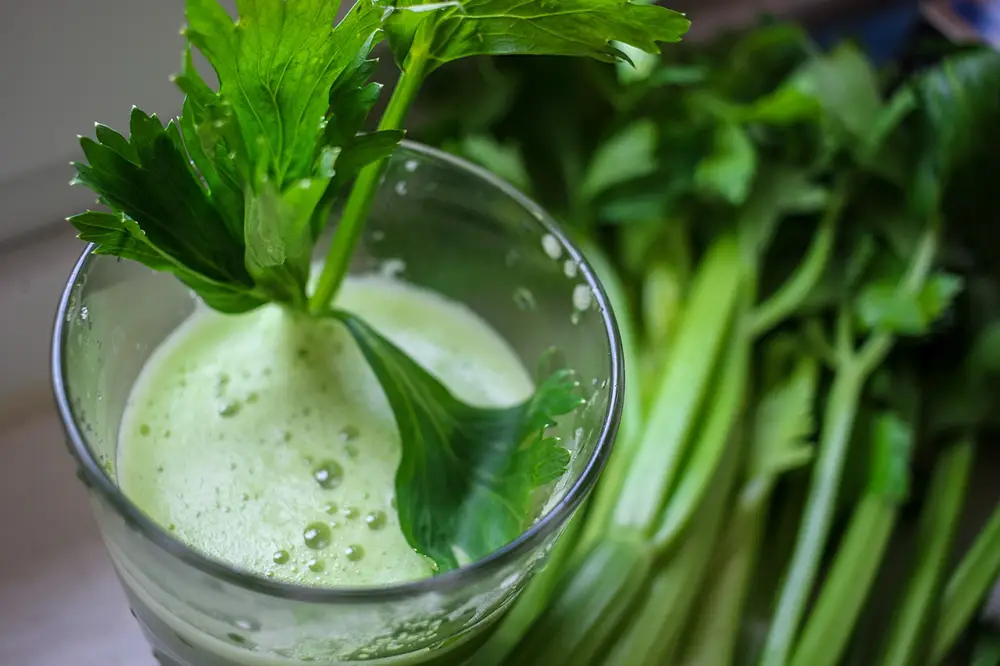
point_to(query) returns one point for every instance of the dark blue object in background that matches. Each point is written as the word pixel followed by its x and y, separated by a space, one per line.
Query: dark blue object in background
pixel 882 33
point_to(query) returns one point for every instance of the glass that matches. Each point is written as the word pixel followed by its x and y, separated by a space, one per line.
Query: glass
pixel 437 222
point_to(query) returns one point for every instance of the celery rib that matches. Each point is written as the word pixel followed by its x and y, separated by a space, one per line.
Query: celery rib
pixel 797 288
pixel 816 520
pixel 714 636
pixel 713 298
pixel 587 607
pixel 532 602
pixel 942 509
pixel 630 430
pixel 655 630
pixel 710 447
pixel 846 588
pixel 967 587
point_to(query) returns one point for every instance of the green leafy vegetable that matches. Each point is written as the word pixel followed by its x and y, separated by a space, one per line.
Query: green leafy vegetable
pixel 446 31
pixel 424 36
pixel 729 170
pixel 162 217
pixel 858 217
pixel 466 484
pixel 629 154
pixel 226 198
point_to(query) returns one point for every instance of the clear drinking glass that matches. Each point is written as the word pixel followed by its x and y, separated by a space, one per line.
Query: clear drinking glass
pixel 437 222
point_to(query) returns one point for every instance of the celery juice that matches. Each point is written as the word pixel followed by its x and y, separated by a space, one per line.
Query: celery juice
pixel 264 440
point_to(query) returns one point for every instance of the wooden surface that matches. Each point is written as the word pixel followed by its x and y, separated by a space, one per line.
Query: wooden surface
pixel 60 603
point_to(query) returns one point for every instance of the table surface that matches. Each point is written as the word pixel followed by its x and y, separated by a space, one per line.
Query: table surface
pixel 60 603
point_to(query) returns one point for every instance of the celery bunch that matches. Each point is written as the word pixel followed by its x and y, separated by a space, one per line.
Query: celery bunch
pixel 798 249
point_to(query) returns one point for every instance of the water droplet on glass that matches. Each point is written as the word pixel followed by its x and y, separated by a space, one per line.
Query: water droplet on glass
pixel 329 474
pixel 570 268
pixel 230 408
pixel 354 553
pixel 376 520
pixel 524 299
pixel 582 298
pixel 349 433
pixel 286 436
pixel 378 236
pixel 247 625
pixel 575 318
pixel 330 508
pixel 245 497
pixel 401 188
pixel 84 313
pixel 317 535
pixel 349 512
pixel 352 451
pixel 392 268
pixel 253 397
pixel 144 429
pixel 411 165
pixel 315 565
pixel 551 246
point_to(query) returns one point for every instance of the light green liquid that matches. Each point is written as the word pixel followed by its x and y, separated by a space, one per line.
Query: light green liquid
pixel 265 441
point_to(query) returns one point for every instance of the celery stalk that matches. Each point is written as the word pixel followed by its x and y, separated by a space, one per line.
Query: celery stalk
pixel 592 598
pixel 713 638
pixel 630 430
pixel 968 587
pixel 712 301
pixel 838 422
pixel 655 630
pixel 846 587
pixel 862 549
pixel 532 602
pixel 709 449
pixel 938 520
pixel 854 367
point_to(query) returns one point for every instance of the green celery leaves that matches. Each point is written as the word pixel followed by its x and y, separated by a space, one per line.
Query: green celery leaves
pixel 161 216
pixel 467 482
pixel 276 68
pixel 232 196
pixel 446 31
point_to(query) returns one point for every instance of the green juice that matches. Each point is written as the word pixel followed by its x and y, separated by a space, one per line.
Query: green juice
pixel 264 440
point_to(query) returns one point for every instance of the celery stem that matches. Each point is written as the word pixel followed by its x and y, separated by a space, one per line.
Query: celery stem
pixel 940 515
pixel 713 299
pixel 709 448
pixel 846 588
pixel 968 587
pixel 359 201
pixel 714 637
pixel 814 528
pixel 798 287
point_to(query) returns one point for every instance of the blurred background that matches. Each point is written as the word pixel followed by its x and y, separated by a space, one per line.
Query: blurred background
pixel 67 64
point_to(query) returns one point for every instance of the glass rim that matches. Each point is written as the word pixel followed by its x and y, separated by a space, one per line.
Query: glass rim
pixel 97 479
